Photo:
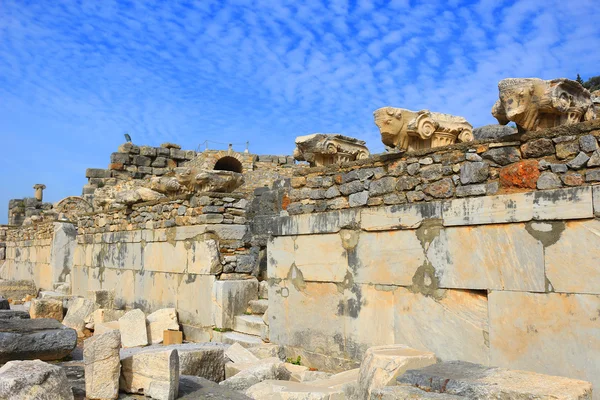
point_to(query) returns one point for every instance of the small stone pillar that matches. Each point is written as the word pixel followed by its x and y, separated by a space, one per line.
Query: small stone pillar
pixel 39 191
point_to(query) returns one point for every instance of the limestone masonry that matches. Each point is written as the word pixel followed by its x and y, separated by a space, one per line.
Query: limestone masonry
pixel 460 264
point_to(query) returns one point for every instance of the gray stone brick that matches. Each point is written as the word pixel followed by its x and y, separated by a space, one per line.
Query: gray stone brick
pixel 352 187
pixel 382 186
pixel 578 161
pixel 473 172
pixel 148 151
pixel 471 190
pixel 588 143
pixel 97 173
pixel 121 158
pixel 358 199
pixel 142 161
pixel 548 180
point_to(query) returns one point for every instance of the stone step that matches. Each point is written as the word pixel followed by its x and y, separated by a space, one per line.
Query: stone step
pixel 250 324
pixel 258 306
pixel 241 338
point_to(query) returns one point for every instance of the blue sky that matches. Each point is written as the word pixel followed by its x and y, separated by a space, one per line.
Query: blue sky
pixel 76 75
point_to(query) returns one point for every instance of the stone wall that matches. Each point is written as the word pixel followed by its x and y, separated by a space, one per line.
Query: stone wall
pixel 509 278
pixel 168 254
pixel 42 252
pixel 19 209
pixel 136 162
pixel 567 156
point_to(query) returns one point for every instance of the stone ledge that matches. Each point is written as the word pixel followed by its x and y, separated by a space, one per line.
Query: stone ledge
pixel 556 204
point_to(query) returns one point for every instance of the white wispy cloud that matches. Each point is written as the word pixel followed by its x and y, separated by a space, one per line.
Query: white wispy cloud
pixel 75 75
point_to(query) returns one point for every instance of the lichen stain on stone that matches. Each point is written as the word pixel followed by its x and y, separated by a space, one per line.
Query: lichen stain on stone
pixel 428 231
pixel 350 307
pixel 548 232
pixel 385 288
pixel 171 233
pixel 349 238
pixel 486 339
pixel 426 282
pixel 296 277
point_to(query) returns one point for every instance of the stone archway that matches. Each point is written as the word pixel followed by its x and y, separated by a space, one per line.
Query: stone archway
pixel 228 163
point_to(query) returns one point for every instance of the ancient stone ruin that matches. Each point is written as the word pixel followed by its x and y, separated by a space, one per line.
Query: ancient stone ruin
pixel 403 129
pixel 461 264
pixel 324 149
pixel 535 104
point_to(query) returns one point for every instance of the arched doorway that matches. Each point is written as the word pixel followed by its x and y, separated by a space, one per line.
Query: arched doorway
pixel 228 163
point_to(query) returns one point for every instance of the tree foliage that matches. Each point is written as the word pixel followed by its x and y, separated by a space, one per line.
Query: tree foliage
pixel 592 83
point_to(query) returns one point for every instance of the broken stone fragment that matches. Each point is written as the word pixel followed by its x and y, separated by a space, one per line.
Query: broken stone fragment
pixel 285 390
pixel 29 339
pixel 34 380
pixel 160 321
pixel 479 382
pixel 46 308
pixel 133 329
pixel 260 371
pixel 102 365
pixel 78 311
pixel 155 373
pixel 238 354
pixel 106 327
pixel 381 365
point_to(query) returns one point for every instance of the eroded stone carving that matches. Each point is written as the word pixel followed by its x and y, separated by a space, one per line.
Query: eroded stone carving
pixel 403 129
pixel 324 149
pixel 70 207
pixel 535 104
pixel 183 180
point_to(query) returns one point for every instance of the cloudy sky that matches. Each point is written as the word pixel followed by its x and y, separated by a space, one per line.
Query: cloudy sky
pixel 76 75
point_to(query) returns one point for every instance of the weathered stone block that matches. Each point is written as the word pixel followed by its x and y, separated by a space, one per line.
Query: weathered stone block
pixel 32 380
pixel 102 365
pixel 97 173
pixel 487 257
pixel 404 216
pixel 27 339
pixel 559 204
pixel 453 324
pixel 481 382
pixel 310 257
pixel 489 210
pixel 573 256
pixel 381 366
pixel 230 298
pixel 46 308
pixel 133 329
pixel 160 321
pixel 154 373
pixel 528 330
pixel 386 258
